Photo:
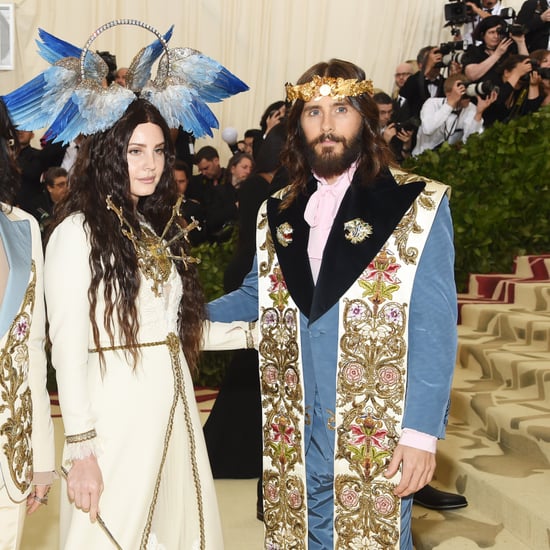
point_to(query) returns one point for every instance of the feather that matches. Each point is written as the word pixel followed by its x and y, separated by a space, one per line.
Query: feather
pixel 53 49
pixel 212 81
pixel 36 104
pixel 140 68
pixel 180 106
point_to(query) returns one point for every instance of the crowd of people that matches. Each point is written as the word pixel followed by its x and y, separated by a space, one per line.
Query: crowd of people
pixel 496 69
pixel 332 420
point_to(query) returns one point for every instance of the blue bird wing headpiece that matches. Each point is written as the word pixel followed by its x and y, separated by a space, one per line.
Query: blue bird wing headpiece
pixel 69 98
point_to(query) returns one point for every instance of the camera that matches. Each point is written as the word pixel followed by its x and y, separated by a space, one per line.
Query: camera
pixel 482 88
pixel 451 51
pixel 544 72
pixel 512 29
pixel 458 12
pixel 410 125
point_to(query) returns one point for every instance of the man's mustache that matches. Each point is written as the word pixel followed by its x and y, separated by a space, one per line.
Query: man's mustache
pixel 327 137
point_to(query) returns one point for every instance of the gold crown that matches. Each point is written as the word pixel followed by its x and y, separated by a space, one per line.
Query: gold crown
pixel 322 86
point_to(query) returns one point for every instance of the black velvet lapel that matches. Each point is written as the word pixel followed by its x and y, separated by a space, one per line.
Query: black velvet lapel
pixel 382 205
pixel 293 259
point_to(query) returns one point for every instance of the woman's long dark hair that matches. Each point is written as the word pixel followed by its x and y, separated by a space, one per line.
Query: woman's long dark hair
pixel 9 148
pixel 375 154
pixel 101 170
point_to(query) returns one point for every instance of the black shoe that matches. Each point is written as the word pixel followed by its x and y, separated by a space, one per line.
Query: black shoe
pixel 260 510
pixel 438 500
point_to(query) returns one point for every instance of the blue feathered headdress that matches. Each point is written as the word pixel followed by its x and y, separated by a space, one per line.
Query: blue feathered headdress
pixel 68 98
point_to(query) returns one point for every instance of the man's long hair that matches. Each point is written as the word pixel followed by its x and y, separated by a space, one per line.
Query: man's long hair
pixel 9 148
pixel 374 155
pixel 101 169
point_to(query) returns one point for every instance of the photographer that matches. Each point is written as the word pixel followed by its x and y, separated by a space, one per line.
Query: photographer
pixel 397 135
pixel 519 91
pixel 535 15
pixel 477 11
pixel 541 63
pixel 452 118
pixel 427 82
pixel 480 61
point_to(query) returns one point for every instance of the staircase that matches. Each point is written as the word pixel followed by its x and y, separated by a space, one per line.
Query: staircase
pixel 497 450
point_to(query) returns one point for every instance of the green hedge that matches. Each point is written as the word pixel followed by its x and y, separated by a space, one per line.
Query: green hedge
pixel 500 193
pixel 214 259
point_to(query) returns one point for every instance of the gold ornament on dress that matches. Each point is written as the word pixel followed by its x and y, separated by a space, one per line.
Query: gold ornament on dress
pixel 323 86
pixel 153 252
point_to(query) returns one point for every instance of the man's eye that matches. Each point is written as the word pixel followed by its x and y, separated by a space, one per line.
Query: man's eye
pixel 341 109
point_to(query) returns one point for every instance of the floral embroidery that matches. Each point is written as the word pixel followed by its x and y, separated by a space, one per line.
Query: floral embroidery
pixel 16 404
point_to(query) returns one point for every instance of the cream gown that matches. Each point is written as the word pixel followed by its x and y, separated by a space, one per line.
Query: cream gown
pixel 159 491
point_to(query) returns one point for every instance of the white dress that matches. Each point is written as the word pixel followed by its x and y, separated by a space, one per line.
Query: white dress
pixel 159 491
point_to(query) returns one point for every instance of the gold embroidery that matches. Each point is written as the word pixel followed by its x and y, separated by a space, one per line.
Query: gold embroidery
pixel 282 400
pixel 16 403
pixel 265 266
pixel 79 438
pixel 408 223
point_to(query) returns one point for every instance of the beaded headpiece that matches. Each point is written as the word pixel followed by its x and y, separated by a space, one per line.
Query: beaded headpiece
pixel 69 97
pixel 322 86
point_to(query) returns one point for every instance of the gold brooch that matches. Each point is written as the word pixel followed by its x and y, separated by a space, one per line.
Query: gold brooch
pixel 153 251
pixel 357 230
pixel 322 86
pixel 284 234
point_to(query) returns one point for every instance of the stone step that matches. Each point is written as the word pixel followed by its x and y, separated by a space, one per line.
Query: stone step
pixel 507 492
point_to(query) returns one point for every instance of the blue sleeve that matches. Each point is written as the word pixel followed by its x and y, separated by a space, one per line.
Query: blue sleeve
pixel 239 305
pixel 432 331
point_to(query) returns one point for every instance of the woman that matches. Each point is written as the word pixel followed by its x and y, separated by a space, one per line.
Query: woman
pixel 239 167
pixel 126 322
pixel 480 62
pixel 26 430
pixel 519 91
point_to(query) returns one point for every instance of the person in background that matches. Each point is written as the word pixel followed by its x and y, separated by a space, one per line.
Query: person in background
pixel 451 119
pixel 239 167
pixel 27 454
pixel 535 16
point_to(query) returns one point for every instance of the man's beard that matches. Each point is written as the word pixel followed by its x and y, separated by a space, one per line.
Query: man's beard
pixel 329 163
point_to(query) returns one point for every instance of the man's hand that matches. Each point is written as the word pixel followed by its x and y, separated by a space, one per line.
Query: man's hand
pixel 389 132
pixel 417 469
pixel 85 485
pixel 454 97
pixel 545 15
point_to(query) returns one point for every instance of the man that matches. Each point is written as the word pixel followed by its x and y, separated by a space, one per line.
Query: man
pixel 451 119
pixel 29 160
pixel 27 458
pixel 402 73
pixel 120 76
pixel 398 138
pixel 427 82
pixel 354 292
pixel 56 187
pixel 216 196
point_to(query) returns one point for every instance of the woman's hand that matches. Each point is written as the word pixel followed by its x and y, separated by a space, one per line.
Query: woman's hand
pixel 85 485
pixel 37 497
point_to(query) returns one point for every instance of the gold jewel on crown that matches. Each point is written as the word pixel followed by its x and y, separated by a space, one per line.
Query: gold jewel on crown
pixel 322 86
